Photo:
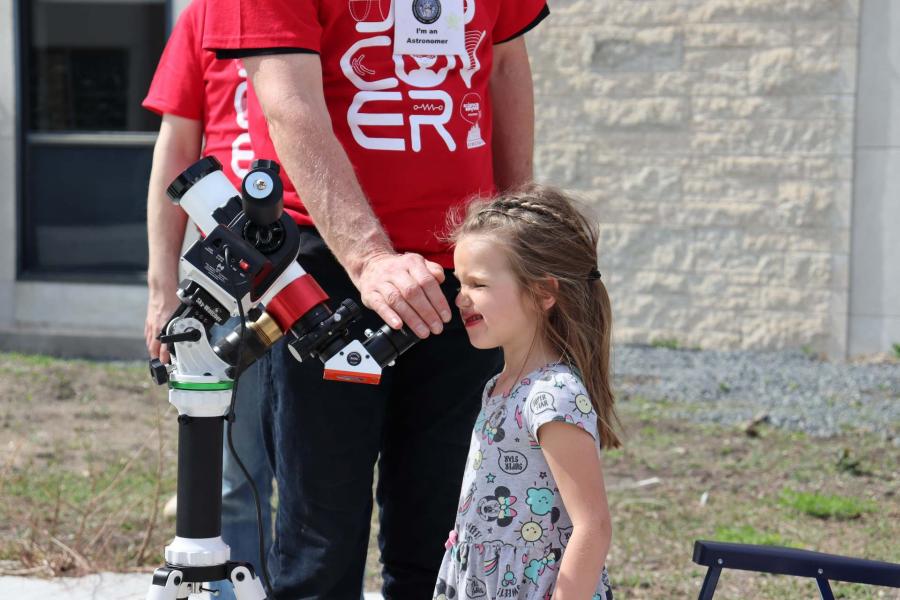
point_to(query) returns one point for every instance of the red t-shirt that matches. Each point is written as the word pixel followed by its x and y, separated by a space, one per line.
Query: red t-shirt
pixel 189 82
pixel 416 129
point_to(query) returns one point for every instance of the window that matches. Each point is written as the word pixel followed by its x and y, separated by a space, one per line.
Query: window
pixel 88 143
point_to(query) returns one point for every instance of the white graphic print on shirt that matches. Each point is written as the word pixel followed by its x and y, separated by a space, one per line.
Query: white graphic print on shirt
pixel 427 75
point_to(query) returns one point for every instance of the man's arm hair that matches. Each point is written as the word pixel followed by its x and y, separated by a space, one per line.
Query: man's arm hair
pixel 512 96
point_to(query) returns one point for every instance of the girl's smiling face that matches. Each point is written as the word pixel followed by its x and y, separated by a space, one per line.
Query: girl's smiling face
pixel 494 308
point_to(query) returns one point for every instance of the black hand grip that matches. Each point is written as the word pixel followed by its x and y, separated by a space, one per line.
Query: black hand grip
pixel 189 335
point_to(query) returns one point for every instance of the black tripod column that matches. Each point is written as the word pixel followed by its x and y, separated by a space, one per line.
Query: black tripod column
pixel 199 513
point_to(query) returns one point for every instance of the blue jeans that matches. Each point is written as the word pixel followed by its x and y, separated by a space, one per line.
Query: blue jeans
pixel 325 438
pixel 239 528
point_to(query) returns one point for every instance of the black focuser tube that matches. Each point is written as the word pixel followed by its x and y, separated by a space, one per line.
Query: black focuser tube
pixel 386 344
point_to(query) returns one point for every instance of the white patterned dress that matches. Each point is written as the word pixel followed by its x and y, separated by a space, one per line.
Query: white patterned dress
pixel 511 526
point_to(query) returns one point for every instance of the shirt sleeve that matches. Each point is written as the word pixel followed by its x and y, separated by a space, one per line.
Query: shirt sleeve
pixel 559 397
pixel 177 87
pixel 517 17
pixel 263 24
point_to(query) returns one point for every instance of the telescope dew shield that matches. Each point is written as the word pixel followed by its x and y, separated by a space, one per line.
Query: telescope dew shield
pixel 200 190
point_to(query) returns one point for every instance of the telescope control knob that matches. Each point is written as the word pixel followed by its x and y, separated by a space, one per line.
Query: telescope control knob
pixel 159 372
pixel 261 193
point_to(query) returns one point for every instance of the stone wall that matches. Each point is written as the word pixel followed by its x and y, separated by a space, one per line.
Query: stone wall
pixel 713 139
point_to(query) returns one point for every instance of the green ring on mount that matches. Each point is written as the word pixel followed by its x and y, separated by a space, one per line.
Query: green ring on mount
pixel 201 387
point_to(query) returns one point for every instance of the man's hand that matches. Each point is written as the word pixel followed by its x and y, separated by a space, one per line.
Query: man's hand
pixel 160 307
pixel 405 288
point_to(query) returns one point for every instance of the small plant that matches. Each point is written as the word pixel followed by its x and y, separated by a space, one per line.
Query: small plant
pixel 809 351
pixel 825 506
pixel 724 387
pixel 896 348
pixel 746 534
pixel 670 343
pixel 847 463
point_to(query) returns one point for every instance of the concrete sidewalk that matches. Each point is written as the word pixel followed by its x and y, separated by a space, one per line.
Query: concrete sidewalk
pixel 102 586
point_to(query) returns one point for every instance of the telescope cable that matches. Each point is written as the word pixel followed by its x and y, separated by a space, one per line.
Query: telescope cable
pixel 230 417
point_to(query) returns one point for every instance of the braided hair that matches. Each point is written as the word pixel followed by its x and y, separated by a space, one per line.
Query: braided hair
pixel 547 238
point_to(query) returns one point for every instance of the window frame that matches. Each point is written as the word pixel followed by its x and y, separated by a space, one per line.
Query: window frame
pixel 25 140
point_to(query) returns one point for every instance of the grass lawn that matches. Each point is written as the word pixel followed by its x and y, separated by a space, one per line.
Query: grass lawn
pixel 89 459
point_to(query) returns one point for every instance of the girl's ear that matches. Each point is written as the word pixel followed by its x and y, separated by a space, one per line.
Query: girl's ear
pixel 547 291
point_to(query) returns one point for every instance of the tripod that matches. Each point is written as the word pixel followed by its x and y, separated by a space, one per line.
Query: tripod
pixel 244 265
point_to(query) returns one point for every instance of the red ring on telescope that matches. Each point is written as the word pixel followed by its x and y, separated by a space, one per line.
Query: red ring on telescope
pixel 295 300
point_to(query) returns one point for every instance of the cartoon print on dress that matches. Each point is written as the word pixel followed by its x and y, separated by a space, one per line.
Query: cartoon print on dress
pixel 443 591
pixel 467 501
pixel 564 534
pixel 497 507
pixel 519 417
pixel 460 554
pixel 540 500
pixel 541 403
pixel 489 565
pixel 536 567
pixel 512 462
pixel 568 419
pixel 509 578
pixel 495 544
pixel 583 404
pixel 477 459
pixel 531 532
pixel 475 588
pixel 492 430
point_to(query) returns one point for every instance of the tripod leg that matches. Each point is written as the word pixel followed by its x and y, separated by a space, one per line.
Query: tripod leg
pixel 247 585
pixel 166 583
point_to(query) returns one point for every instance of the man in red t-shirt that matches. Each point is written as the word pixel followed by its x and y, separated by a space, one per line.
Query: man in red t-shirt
pixel 380 145
pixel 203 103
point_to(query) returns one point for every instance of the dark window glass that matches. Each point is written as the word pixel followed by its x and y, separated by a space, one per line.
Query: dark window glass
pixel 88 142
pixel 96 224
pixel 91 64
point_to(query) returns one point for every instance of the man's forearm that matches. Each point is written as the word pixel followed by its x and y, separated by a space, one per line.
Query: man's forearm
pixel 315 161
pixel 512 96
pixel 325 180
pixel 165 234
pixel 177 146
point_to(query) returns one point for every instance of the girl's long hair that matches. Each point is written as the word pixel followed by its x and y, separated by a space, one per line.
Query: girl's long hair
pixel 547 238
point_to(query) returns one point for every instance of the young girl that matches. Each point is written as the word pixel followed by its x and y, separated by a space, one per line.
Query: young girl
pixel 533 520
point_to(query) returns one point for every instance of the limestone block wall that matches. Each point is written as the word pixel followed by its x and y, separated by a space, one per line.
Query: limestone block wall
pixel 713 140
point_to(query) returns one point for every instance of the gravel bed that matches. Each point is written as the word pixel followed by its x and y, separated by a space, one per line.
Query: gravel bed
pixel 789 389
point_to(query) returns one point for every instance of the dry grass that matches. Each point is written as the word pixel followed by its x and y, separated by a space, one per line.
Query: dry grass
pixel 89 459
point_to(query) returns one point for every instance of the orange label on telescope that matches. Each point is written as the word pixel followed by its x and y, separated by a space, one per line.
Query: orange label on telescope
pixel 352 377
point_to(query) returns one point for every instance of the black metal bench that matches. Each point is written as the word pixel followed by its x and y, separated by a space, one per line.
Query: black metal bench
pixel 790 561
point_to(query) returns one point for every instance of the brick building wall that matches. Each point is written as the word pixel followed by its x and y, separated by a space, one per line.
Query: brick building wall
pixel 713 139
